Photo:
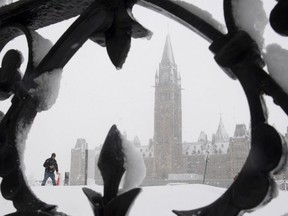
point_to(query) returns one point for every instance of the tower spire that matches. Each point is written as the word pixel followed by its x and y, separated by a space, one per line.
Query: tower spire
pixel 168 57
pixel 221 134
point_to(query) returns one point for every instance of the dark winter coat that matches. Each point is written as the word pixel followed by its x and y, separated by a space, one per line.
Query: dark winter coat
pixel 51 165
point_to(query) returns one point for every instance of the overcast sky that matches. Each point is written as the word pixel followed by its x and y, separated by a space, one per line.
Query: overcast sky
pixel 94 95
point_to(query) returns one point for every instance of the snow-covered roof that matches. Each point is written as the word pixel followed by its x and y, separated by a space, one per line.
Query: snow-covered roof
pixel 221 148
pixel 7 2
pixel 201 148
pixel 192 148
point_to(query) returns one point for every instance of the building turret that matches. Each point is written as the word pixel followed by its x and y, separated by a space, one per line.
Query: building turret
pixel 240 131
pixel 239 148
pixel 81 144
pixel 221 134
pixel 79 163
pixel 202 137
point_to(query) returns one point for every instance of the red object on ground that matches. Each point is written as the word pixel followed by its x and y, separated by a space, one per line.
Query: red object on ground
pixel 58 180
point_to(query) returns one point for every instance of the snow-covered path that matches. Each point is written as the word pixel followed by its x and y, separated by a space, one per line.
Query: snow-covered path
pixel 151 201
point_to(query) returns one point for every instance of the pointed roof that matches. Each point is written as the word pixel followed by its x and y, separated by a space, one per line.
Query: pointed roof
pixel 168 57
pixel 202 137
pixel 240 131
pixel 221 134
pixel 81 144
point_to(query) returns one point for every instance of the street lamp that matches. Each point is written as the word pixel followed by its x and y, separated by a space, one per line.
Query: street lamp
pixel 205 169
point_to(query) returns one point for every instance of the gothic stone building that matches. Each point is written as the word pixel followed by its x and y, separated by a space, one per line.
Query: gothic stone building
pixel 167 159
pixel 215 162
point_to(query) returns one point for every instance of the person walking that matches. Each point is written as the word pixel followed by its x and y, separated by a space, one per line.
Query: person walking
pixel 50 165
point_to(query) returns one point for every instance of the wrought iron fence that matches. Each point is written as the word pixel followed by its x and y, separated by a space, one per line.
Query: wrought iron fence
pixel 110 24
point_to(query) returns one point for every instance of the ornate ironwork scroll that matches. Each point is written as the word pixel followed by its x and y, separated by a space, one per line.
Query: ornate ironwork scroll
pixel 110 24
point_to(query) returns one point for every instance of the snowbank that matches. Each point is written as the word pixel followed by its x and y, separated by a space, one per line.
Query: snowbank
pixel 48 88
pixel 276 59
pixel 133 164
pixel 157 200
pixel 251 17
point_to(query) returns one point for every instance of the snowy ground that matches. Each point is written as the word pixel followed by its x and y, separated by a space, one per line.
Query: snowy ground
pixel 152 201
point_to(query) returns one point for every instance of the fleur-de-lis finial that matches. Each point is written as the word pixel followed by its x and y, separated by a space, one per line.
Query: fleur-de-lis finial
pixel 111 166
pixel 117 38
pixel 10 75
pixel 279 17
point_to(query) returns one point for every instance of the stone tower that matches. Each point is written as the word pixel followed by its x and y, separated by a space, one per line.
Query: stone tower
pixel 79 163
pixel 167 116
pixel 239 148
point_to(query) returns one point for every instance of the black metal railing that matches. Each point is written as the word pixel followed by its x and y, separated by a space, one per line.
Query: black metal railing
pixel 110 24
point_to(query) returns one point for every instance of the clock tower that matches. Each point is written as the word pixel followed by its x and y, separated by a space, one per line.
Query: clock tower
pixel 167 116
